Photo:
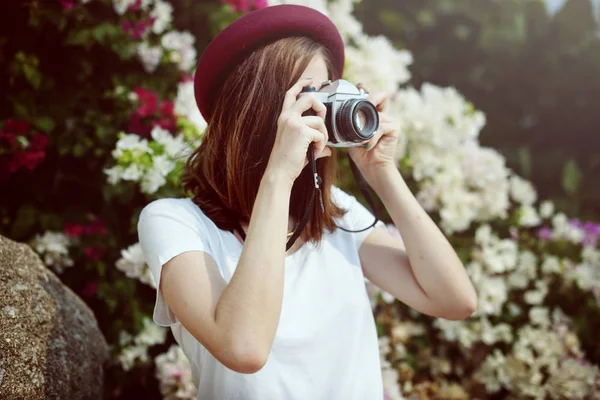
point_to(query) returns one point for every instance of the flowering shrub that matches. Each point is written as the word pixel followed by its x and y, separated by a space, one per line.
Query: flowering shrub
pixel 99 140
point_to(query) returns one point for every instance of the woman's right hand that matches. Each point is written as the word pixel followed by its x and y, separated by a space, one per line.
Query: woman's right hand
pixel 296 132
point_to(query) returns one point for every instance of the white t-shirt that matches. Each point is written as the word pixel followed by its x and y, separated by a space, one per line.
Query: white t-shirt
pixel 325 346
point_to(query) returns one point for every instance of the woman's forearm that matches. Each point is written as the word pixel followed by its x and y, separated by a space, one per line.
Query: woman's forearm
pixel 249 308
pixel 434 263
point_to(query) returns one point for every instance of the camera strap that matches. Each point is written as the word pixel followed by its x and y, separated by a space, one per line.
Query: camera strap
pixel 316 189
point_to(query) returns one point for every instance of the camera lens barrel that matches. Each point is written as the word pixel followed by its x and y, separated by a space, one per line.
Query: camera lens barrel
pixel 357 120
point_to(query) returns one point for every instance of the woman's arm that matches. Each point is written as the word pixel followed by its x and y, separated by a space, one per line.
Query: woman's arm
pixel 422 270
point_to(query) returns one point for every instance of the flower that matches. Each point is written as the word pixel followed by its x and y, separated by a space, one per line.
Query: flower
pixel 67 4
pixel 53 248
pixel 174 374
pixel 94 253
pixel 149 56
pixel 185 105
pixel 162 15
pixel 245 5
pixel 132 263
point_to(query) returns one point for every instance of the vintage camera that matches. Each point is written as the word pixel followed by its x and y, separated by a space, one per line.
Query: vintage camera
pixel 351 119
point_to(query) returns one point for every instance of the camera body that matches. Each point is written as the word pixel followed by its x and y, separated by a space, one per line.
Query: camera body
pixel 351 119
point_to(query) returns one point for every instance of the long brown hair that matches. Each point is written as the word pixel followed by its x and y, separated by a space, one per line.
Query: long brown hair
pixel 223 175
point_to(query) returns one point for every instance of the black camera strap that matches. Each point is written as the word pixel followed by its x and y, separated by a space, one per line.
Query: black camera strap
pixel 316 189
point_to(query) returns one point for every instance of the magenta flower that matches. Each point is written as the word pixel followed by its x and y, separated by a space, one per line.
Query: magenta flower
pixel 545 233
pixel 245 5
pixel 68 4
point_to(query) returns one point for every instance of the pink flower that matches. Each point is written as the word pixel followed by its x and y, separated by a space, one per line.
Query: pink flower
pixel 8 137
pixel 94 253
pixel 97 226
pixel 90 289
pixel 73 230
pixel 545 233
pixel 245 5
pixel 148 101
pixel 138 30
pixel 17 127
pixel 68 4
pixel 38 142
pixel 33 159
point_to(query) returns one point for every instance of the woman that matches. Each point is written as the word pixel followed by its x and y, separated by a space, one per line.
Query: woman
pixel 255 321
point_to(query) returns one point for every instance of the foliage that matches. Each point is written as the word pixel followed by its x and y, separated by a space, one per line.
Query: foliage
pixel 533 73
pixel 87 141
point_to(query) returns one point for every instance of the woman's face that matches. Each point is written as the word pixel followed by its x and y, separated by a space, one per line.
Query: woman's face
pixel 317 70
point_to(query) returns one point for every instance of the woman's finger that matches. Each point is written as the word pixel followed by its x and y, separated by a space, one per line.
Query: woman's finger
pixel 317 123
pixel 317 138
pixel 292 94
pixel 383 129
pixel 379 100
pixel 308 102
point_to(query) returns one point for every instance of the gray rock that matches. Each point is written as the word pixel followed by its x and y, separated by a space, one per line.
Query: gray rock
pixel 50 343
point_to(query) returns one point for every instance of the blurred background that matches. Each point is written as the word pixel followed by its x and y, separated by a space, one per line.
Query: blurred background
pixel 500 113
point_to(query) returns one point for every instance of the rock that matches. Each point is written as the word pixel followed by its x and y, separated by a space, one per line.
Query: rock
pixel 50 343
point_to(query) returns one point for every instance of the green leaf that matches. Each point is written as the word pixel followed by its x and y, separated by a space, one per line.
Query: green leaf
pixel 32 75
pixel 571 177
pixel 525 161
pixel 44 123
pixel 79 37
pixel 24 221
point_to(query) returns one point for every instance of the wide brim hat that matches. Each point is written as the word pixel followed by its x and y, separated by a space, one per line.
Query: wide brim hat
pixel 237 41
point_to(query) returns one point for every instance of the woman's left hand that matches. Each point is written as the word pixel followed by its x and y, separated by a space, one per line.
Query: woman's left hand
pixel 379 152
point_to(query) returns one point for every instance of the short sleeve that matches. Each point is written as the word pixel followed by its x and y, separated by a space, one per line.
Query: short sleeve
pixel 167 228
pixel 357 216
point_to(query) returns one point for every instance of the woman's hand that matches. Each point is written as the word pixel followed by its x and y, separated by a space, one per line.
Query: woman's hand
pixel 296 132
pixel 379 152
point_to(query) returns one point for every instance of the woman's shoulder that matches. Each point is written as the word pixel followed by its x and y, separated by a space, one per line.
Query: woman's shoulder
pixel 183 210
pixel 341 198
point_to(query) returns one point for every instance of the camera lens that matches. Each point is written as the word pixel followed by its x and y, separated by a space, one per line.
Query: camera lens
pixel 357 120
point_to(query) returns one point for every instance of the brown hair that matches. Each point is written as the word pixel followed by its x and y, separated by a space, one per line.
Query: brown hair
pixel 223 175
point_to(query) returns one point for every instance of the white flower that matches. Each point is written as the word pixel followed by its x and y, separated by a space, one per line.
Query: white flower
pixel 185 105
pixel 528 216
pixel 132 263
pixel 341 15
pixel 537 296
pixel 153 180
pixel 114 174
pixel 149 56
pixel 182 48
pixel 319 5
pixel 492 296
pixel 174 145
pixel 546 209
pixel 174 375
pixel 551 265
pixel 391 386
pixel 121 6
pixel 162 14
pixel 540 316
pixel 131 142
pixel 150 335
pixel 133 172
pixel 522 191
pixel 53 247
pixel 376 59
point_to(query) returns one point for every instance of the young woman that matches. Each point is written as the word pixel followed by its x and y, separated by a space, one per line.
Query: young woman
pixel 255 321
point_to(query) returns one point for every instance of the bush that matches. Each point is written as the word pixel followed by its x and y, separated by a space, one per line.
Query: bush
pixel 99 118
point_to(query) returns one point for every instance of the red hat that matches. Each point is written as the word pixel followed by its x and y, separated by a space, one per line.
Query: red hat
pixel 236 42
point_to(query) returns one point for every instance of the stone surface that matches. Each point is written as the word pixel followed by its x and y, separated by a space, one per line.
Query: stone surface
pixel 50 343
